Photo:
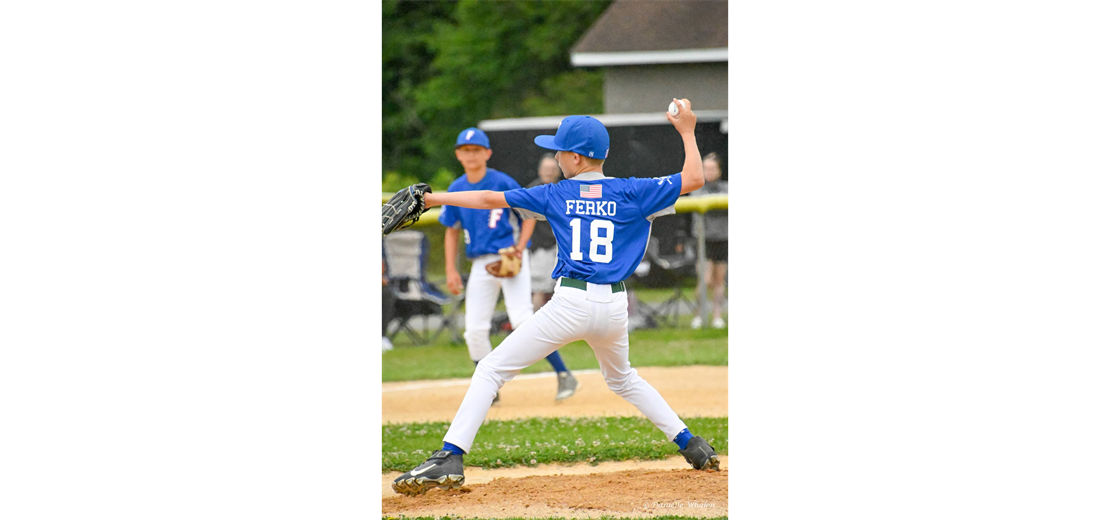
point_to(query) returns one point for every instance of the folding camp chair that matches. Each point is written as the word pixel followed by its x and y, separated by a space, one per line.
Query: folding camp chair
pixel 673 259
pixel 417 300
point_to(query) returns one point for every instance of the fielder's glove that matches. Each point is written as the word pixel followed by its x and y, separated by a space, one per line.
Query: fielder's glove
pixel 508 266
pixel 404 208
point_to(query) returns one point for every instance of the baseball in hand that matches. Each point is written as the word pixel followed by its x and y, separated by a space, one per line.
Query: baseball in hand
pixel 673 109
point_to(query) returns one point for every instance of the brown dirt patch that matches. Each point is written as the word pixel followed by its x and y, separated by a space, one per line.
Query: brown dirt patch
pixel 476 475
pixel 633 493
pixel 691 391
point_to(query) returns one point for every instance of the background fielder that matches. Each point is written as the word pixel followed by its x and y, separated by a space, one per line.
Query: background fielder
pixel 602 225
pixel 485 232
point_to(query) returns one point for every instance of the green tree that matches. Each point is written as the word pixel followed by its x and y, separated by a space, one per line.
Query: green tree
pixel 407 27
pixel 448 65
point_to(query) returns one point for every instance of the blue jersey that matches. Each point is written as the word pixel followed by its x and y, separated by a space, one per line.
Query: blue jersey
pixel 602 224
pixel 485 231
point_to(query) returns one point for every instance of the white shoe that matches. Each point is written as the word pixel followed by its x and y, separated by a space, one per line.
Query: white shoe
pixel 718 323
pixel 386 344
pixel 696 324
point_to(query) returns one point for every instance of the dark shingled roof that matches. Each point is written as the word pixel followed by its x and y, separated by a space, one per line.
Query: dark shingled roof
pixel 641 25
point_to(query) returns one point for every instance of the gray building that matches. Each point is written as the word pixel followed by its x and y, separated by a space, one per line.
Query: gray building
pixel 647 61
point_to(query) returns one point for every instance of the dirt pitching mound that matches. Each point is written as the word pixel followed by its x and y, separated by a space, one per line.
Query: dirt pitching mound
pixel 692 391
pixel 631 493
pixel 476 475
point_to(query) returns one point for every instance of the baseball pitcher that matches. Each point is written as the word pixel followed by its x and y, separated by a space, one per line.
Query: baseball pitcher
pixel 602 225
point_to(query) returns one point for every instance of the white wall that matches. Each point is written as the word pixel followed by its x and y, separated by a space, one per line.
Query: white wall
pixel 649 88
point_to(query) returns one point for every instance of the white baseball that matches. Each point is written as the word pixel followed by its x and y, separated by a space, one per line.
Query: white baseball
pixel 673 109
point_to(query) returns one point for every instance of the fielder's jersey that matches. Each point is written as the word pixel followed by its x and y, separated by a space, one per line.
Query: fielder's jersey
pixel 602 223
pixel 485 231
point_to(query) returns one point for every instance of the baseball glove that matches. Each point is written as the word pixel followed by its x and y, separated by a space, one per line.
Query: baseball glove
pixel 404 208
pixel 508 266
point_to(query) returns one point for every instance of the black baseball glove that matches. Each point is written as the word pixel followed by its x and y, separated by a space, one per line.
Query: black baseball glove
pixel 404 208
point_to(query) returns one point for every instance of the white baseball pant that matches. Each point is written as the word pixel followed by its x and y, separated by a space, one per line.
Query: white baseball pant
pixel 596 315
pixel 481 299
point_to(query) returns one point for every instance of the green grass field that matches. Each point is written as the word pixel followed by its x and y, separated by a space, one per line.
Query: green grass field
pixel 546 440
pixel 669 517
pixel 647 348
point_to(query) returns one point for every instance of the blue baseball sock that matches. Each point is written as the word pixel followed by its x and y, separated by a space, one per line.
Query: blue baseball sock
pixel 447 446
pixel 682 440
pixel 556 361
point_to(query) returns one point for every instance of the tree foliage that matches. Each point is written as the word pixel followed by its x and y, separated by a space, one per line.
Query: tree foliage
pixel 448 65
pixel 406 53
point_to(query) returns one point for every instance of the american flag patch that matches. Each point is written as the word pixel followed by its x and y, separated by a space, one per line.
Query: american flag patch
pixel 590 191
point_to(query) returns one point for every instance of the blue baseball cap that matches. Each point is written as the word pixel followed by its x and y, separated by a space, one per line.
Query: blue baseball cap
pixel 579 134
pixel 472 136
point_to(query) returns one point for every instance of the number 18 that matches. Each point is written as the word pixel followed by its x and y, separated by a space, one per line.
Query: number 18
pixel 596 240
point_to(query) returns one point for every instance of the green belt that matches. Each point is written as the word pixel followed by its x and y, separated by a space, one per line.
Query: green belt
pixel 579 284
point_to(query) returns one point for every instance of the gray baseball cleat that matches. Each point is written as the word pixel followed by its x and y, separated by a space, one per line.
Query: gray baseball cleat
pixel 700 455
pixel 442 470
pixel 567 386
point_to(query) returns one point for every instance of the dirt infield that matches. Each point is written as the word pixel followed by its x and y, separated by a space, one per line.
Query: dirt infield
pixel 692 391
pixel 632 491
